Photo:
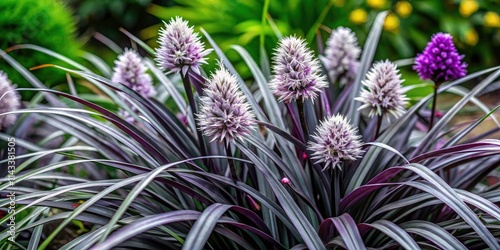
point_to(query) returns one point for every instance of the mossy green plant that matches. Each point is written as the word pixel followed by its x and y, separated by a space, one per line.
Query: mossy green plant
pixel 46 23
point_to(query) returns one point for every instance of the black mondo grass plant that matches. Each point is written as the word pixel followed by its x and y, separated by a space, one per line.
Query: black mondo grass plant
pixel 165 156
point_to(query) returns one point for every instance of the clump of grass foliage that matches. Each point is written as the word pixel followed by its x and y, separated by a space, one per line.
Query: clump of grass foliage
pixel 155 182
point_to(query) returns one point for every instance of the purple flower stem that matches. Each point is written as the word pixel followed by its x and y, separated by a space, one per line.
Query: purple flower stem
pixel 295 121
pixel 305 131
pixel 335 192
pixel 379 124
pixel 232 170
pixel 194 110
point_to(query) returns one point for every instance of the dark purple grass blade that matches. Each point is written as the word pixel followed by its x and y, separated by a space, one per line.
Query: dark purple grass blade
pixel 347 229
pixel 259 233
pixel 441 191
pixel 273 206
pixel 285 135
pixel 144 224
pixel 296 216
pixel 433 233
pixel 117 121
pixel 394 232
pixel 203 227
pixel 31 79
pixel 276 159
pixel 471 147
pixel 294 116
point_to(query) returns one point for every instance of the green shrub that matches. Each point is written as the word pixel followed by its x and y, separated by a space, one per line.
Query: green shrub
pixel 46 23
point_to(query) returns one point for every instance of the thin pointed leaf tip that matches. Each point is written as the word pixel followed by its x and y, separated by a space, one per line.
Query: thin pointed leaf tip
pixel 383 94
pixel 9 101
pixel 335 141
pixel 180 48
pixel 224 112
pixel 296 73
pixel 341 55
pixel 440 61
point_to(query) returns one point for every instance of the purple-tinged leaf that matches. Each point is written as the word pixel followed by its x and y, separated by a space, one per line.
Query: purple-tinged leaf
pixel 285 135
pixel 144 224
pixel 395 232
pixel 347 229
pixel 297 217
pixel 485 145
pixel 433 233
pixel 203 227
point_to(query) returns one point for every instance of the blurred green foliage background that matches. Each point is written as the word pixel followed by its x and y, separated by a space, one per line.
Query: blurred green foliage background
pixel 46 23
pixel 475 25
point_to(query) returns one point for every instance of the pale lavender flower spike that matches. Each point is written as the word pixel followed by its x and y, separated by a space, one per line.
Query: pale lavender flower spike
pixel 224 113
pixel 130 71
pixel 296 73
pixel 180 48
pixel 384 94
pixel 335 141
pixel 341 55
pixel 9 101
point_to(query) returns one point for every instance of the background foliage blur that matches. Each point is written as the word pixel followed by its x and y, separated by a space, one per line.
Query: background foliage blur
pixel 475 25
pixel 45 23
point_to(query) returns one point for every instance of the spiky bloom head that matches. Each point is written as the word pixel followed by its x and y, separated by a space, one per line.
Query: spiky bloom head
pixel 9 101
pixel 224 113
pixel 131 72
pixel 383 93
pixel 296 73
pixel 335 141
pixel 440 61
pixel 341 55
pixel 180 48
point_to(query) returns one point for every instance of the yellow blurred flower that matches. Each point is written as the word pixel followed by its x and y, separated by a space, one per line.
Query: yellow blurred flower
pixel 492 19
pixel 403 8
pixel 471 37
pixel 391 23
pixel 468 7
pixel 376 4
pixel 358 16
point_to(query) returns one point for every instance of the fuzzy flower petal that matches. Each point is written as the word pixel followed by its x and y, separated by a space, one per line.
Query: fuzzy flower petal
pixel 335 141
pixel 131 72
pixel 224 113
pixel 440 61
pixel 9 101
pixel 180 48
pixel 383 94
pixel 296 73
pixel 341 55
